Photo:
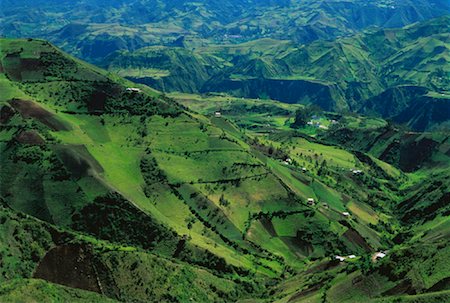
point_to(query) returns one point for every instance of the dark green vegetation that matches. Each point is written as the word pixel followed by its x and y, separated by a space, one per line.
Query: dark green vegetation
pixel 400 74
pixel 109 193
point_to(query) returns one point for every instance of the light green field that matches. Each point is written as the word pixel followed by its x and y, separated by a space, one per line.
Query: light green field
pixel 9 90
pixel 141 73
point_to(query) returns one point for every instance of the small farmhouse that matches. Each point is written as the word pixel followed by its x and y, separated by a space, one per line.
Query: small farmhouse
pixel 356 171
pixel 380 255
pixel 340 258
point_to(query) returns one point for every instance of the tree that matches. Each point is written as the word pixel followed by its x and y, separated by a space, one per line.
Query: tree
pixel 301 118
pixel 302 115
pixel 223 202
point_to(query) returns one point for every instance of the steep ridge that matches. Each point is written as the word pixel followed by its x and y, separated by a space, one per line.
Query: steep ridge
pixel 414 106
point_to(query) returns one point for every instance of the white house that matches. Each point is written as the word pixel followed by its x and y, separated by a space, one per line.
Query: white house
pixel 380 255
pixel 351 257
pixel 133 90
pixel 346 214
pixel 310 201
pixel 340 258
pixel 218 114
pixel 356 171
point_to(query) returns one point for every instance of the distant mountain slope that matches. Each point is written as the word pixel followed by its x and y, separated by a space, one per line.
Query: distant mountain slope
pixel 85 27
pixel 397 73
pixel 413 106
pixel 160 67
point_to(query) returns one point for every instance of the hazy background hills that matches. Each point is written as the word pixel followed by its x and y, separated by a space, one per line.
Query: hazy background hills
pixel 91 28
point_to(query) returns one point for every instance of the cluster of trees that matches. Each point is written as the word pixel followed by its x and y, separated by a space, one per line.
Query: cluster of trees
pixel 269 150
pixel 304 114
pixel 151 173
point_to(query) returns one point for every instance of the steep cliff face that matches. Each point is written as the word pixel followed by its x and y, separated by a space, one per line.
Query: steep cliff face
pixel 413 106
pixel 327 96
pixel 393 101
pixel 426 113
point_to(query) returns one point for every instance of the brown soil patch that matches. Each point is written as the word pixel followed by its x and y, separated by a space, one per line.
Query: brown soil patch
pixel 267 223
pixel 78 161
pixel 305 293
pixel 404 287
pixel 322 267
pixel 30 137
pixel 72 265
pixel 6 113
pixel 31 64
pixel 298 247
pixel 29 109
pixel 354 237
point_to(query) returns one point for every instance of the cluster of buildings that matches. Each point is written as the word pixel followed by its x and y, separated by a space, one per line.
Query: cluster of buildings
pixel 316 123
pixel 342 259
pixel 288 161
pixel 376 256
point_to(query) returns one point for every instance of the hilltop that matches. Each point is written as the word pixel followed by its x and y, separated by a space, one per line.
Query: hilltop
pixel 142 198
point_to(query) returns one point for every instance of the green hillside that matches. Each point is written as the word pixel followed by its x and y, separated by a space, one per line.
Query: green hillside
pixel 160 67
pixel 141 198
pixel 400 74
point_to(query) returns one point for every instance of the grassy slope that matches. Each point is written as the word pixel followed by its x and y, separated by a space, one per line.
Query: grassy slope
pixel 429 237
pixel 219 188
pixel 30 290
